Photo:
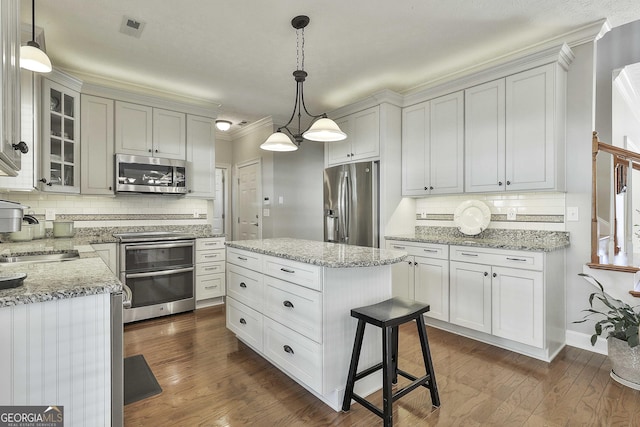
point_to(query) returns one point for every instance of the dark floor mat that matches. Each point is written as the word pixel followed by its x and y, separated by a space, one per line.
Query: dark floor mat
pixel 139 382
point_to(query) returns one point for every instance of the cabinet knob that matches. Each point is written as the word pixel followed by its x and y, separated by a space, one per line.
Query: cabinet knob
pixel 495 275
pixel 288 349
pixel 150 150
pixel 110 188
pixel 486 274
pixel 156 150
pixel 508 182
pixel 500 183
pixel 244 322
pixel 430 188
pixel 425 188
pixel 243 285
pixel 43 180
pixel 287 304
pixel 21 146
pixel 352 154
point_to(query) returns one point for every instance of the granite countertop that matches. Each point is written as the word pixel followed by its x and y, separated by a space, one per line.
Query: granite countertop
pixel 334 255
pixel 521 240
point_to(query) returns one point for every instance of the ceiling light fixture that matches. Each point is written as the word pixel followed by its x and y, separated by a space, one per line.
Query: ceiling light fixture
pixel 321 128
pixel 32 58
pixel 223 125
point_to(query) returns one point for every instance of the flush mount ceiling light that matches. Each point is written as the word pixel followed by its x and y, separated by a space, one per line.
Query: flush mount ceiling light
pixel 223 125
pixel 32 58
pixel 321 128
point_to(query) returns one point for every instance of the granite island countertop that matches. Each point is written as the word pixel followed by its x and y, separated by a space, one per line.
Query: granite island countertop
pixel 324 254
pixel 521 240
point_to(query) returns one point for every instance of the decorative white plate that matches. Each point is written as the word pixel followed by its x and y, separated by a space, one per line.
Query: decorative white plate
pixel 472 217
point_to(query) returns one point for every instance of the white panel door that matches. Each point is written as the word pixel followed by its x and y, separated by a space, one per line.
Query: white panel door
pixel 340 151
pixel 402 278
pixel 530 151
pixel 96 136
pixel 517 305
pixel 446 144
pixel 470 296
pixel 415 145
pixel 201 160
pixel 169 134
pixel 134 129
pixel 484 137
pixel 432 286
pixel 366 128
pixel 249 219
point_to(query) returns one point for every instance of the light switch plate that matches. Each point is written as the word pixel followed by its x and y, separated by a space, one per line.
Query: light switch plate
pixel 511 214
pixel 572 213
pixel 266 212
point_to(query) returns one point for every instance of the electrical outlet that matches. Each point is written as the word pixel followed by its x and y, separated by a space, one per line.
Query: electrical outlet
pixel 196 213
pixel 511 214
pixel 49 214
pixel 572 213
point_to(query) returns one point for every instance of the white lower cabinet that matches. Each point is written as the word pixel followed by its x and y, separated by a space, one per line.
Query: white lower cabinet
pixel 423 276
pixel 471 296
pixel 297 316
pixel 210 270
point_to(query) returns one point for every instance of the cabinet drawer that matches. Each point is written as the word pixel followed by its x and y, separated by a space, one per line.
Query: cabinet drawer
pixel 209 286
pixel 209 243
pixel 499 257
pixel 245 322
pixel 210 255
pixel 431 250
pixel 245 286
pixel 209 268
pixel 297 355
pixel 250 260
pixel 297 307
pixel 297 272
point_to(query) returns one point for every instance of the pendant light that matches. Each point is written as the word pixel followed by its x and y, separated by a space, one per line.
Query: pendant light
pixel 32 58
pixel 321 129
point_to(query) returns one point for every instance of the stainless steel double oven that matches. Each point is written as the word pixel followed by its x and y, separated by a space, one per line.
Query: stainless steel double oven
pixel 158 268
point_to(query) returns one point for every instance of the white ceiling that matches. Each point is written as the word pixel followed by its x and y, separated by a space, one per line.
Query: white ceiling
pixel 241 53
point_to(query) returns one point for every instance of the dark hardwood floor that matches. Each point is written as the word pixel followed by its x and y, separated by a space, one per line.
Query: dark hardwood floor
pixel 209 378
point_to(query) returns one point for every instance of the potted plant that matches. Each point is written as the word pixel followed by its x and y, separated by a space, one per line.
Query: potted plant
pixel 620 326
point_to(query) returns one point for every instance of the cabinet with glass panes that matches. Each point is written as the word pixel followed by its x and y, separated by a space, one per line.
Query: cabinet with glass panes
pixel 60 137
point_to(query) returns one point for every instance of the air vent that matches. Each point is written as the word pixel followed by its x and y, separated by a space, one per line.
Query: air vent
pixel 131 26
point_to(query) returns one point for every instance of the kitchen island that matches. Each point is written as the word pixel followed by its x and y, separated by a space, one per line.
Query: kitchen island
pixel 290 301
pixel 56 332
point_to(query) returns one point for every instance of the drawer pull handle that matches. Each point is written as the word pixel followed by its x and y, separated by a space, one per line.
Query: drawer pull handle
pixel 286 270
pixel 241 258
pixel 430 250
pixel 242 321
pixel 517 259
pixel 243 285
pixel 210 287
pixel 399 247
pixel 467 254
pixel 210 268
pixel 288 349
pixel 211 256
pixel 288 304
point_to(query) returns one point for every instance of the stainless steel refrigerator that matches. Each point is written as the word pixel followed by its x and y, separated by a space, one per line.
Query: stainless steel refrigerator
pixel 351 195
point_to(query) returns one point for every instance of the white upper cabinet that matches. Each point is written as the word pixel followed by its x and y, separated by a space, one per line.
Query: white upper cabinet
pixel 146 131
pixel 96 131
pixel 514 129
pixel 363 138
pixel 60 138
pixel 169 134
pixel 201 160
pixel 10 158
pixel 433 146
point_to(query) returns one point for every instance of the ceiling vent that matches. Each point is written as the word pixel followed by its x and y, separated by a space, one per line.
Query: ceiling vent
pixel 132 27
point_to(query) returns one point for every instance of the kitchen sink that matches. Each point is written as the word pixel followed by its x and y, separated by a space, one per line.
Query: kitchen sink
pixel 66 255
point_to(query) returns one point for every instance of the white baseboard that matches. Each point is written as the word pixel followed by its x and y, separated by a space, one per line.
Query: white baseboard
pixel 583 341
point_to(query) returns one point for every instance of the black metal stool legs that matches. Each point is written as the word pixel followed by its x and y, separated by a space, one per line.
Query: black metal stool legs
pixel 389 374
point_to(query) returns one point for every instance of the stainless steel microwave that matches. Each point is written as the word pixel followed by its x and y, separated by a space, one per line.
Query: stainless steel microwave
pixel 142 174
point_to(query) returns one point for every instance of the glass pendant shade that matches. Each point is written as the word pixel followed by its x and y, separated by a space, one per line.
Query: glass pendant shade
pixel 324 130
pixel 32 58
pixel 278 141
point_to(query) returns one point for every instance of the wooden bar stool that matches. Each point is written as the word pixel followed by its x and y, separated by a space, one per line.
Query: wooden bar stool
pixel 388 315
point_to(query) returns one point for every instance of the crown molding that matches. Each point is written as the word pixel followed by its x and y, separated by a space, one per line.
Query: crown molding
pixel 384 96
pixel 251 127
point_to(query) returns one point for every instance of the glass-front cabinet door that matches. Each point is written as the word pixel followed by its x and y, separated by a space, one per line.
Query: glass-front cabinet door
pixel 60 138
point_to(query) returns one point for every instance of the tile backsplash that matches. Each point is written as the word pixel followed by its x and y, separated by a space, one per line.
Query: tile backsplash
pixel 533 211
pixel 102 211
